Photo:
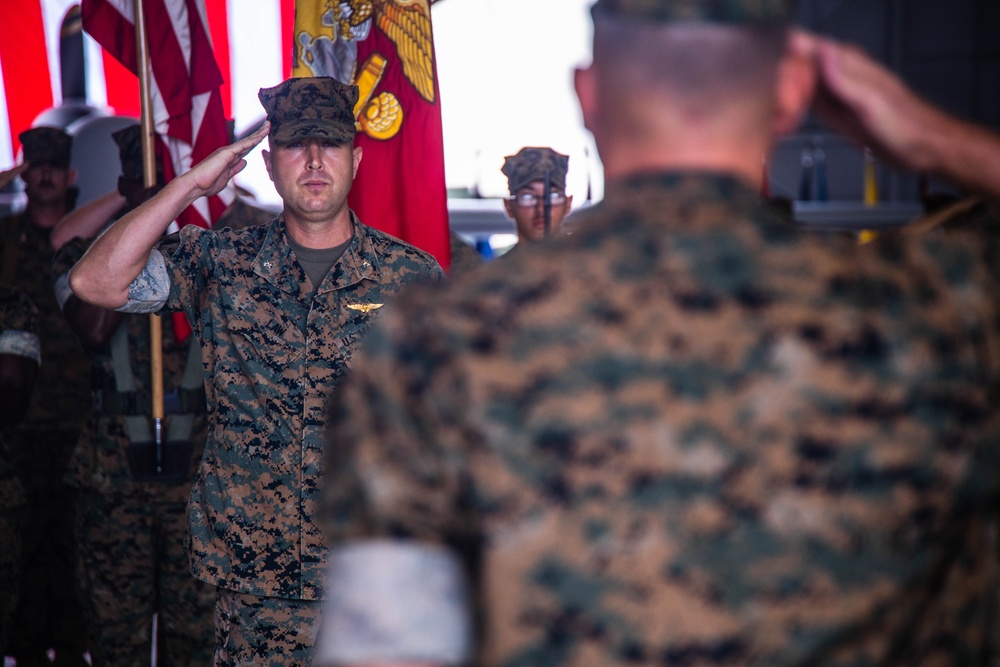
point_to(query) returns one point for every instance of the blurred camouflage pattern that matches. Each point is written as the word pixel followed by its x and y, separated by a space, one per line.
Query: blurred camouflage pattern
pixel 689 434
pixel 530 164
pixel 132 536
pixel 310 107
pixel 272 354
pixel 46 145
pixel 124 585
pixel 715 11
pixel 18 325
pixel 40 448
pixel 60 398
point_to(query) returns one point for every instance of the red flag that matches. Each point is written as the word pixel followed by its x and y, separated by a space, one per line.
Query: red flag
pixel 187 105
pixel 400 187
pixel 25 64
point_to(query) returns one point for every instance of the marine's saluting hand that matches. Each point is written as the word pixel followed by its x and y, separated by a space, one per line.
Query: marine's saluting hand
pixel 9 175
pixel 214 172
pixel 868 103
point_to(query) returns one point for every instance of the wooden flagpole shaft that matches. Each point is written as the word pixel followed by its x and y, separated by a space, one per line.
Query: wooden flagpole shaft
pixel 149 177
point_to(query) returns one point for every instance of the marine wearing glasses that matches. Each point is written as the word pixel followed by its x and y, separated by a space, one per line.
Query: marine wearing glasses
pixel 530 199
pixel 525 172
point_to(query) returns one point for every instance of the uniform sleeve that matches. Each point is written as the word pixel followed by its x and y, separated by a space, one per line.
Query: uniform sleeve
pixel 65 259
pixel 18 325
pixel 396 471
pixel 188 257
pixel 394 601
pixel 396 466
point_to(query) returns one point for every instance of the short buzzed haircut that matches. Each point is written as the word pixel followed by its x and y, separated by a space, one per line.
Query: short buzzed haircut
pixel 696 61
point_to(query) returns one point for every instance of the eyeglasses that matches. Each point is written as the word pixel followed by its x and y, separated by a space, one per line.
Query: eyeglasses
pixel 530 200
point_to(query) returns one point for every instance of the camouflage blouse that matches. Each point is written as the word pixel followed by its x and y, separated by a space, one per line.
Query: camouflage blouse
pixel 271 356
pixel 689 434
pixel 99 462
pixel 19 338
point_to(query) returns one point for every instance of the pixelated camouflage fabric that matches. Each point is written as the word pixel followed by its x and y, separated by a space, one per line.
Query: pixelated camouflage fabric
pixel 100 462
pixel 17 313
pixel 271 356
pixel 62 392
pixel 530 164
pixel 47 145
pixel 269 632
pixel 132 561
pixel 688 434
pixel 310 107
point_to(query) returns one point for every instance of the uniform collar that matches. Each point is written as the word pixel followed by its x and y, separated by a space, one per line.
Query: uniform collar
pixel 276 262
pixel 682 185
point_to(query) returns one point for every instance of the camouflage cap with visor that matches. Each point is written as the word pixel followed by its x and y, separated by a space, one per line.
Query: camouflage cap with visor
pixel 129 140
pixel 310 107
pixel 46 145
pixel 531 163
pixel 707 11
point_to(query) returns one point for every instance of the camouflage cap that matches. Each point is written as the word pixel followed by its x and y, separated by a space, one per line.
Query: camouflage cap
pixel 713 11
pixel 530 164
pixel 46 145
pixel 319 107
pixel 129 140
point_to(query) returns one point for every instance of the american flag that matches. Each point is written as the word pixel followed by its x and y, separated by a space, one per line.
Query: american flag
pixel 251 40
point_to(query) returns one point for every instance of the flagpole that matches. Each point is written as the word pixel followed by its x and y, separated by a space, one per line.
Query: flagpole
pixel 149 179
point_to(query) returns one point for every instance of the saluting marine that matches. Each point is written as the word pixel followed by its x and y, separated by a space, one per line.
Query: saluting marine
pixel 279 310
pixel 49 613
pixel 131 527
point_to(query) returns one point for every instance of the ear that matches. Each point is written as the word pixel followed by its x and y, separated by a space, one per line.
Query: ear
pixel 266 154
pixel 795 85
pixel 585 82
pixel 358 154
pixel 71 177
pixel 568 204
pixel 508 207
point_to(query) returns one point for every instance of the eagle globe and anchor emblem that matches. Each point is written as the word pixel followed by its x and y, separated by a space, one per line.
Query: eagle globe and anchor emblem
pixel 327 45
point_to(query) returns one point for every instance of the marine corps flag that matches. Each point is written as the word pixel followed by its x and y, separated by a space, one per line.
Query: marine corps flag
pixel 386 48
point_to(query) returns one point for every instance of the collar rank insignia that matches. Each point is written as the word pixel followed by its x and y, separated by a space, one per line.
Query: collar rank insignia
pixel 364 307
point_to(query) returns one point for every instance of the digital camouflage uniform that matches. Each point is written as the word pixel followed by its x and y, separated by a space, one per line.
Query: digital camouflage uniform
pixel 132 535
pixel 271 357
pixel 18 337
pixel 688 434
pixel 273 346
pixel 49 612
